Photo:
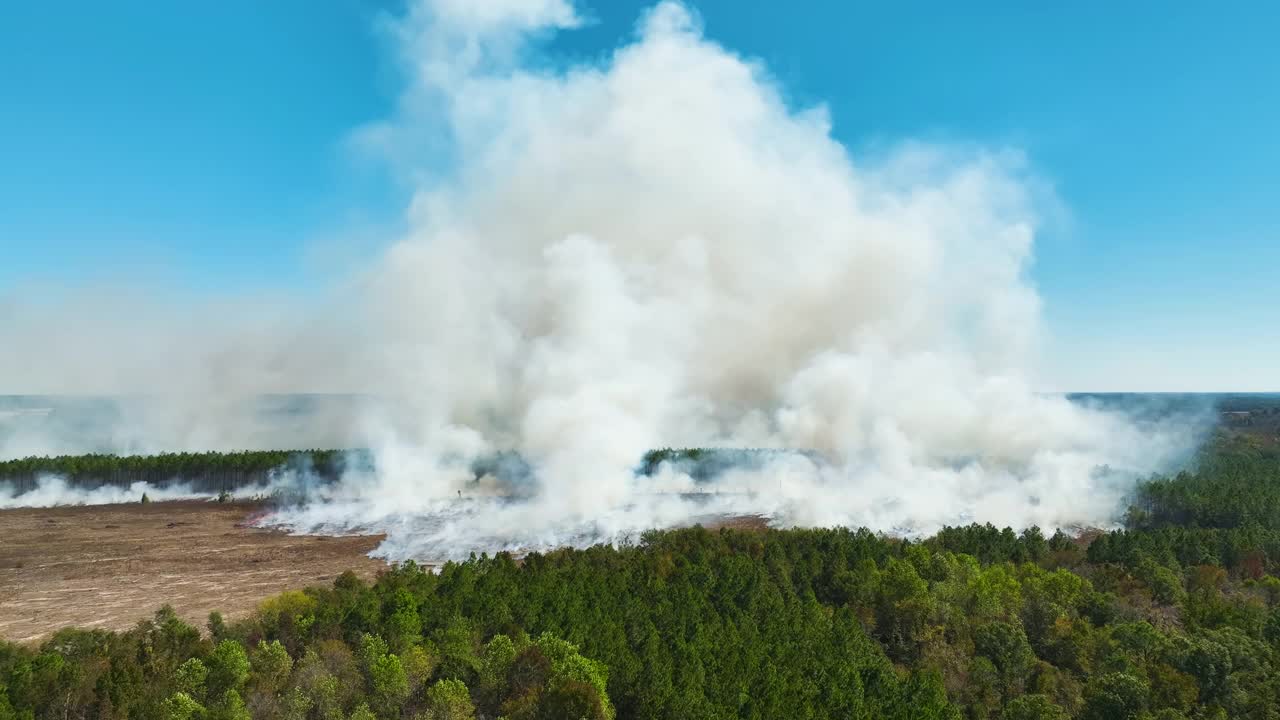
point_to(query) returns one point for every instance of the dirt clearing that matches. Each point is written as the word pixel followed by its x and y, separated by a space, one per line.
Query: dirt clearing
pixel 108 566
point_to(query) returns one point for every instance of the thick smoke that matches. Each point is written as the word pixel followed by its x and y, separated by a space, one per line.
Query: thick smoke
pixel 657 250
pixel 51 491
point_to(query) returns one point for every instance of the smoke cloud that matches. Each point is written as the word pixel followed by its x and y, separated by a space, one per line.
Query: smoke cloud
pixel 657 250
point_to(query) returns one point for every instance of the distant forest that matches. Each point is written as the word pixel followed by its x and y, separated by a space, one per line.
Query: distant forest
pixel 1177 615
pixel 1255 415
pixel 215 472
pixel 205 472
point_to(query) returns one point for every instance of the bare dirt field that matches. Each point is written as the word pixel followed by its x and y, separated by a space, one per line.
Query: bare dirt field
pixel 108 566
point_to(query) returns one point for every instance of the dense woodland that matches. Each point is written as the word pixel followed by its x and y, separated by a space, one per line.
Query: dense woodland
pixel 1177 615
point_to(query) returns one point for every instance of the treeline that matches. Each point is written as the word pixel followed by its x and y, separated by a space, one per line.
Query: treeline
pixel 1155 621
pixel 209 472
pixel 166 669
pixel 107 467
pixel 215 472
pixel 1231 486
pixel 704 464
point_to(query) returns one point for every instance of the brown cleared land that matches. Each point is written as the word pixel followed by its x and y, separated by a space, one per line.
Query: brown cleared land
pixel 109 566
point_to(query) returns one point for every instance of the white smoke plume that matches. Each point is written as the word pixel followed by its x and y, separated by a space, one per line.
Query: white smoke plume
pixel 52 491
pixel 657 250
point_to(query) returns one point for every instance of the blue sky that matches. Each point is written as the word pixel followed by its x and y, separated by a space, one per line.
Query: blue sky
pixel 208 144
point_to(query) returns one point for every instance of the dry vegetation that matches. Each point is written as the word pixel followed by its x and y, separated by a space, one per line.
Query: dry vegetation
pixel 110 566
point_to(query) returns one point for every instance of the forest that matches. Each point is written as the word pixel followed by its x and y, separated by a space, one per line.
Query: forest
pixel 206 472
pixel 1174 615
pixel 217 472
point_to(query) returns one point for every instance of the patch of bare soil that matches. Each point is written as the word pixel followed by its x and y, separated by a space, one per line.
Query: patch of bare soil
pixel 109 566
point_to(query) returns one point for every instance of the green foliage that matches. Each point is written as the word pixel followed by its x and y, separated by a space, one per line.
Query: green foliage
pixel 217 626
pixel 181 706
pixel 570 669
pixel 313 680
pixel 387 680
pixel 1175 616
pixel 287 615
pixel 242 466
pixel 1165 585
pixel 190 677
pixel 1006 646
pixel 230 707
pixel 1033 707
pixel 569 698
pixel 6 708
pixel 271 667
pixel 458 641
pixel 449 699
pixel 228 667
pixel 1115 696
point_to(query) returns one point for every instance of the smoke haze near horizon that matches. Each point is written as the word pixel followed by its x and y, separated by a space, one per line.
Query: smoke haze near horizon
pixel 651 250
